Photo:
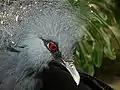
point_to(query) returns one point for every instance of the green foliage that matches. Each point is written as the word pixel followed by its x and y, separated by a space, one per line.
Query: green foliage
pixel 102 33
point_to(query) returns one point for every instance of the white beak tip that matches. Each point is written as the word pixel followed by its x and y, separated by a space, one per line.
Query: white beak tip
pixel 74 73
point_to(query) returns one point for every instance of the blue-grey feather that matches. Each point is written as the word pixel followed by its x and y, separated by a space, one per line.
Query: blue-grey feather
pixel 50 19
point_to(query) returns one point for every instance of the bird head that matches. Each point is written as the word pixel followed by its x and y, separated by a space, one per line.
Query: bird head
pixel 48 31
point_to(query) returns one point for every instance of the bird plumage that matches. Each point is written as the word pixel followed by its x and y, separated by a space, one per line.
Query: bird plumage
pixel 26 60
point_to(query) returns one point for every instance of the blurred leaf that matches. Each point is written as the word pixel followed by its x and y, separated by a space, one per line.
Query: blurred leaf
pixel 101 30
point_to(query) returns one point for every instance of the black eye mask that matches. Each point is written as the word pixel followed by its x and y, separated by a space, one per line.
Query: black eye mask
pixel 52 47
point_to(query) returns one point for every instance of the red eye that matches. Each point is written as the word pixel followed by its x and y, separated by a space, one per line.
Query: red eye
pixel 52 46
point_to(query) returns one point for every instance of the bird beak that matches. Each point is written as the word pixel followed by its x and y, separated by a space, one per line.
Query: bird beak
pixel 74 73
